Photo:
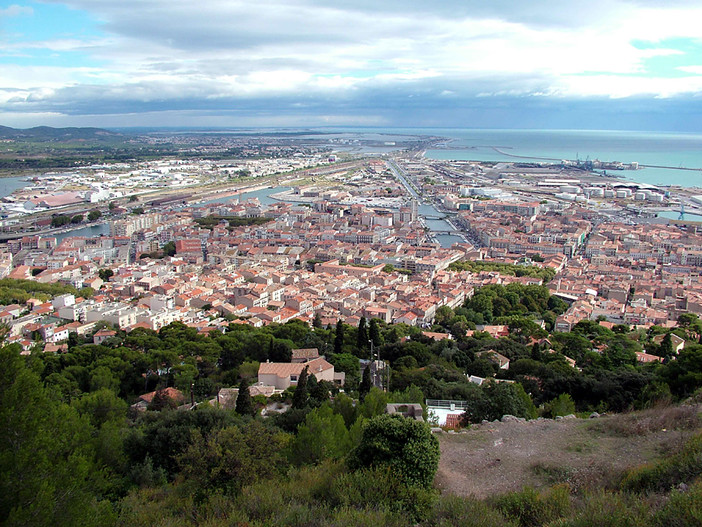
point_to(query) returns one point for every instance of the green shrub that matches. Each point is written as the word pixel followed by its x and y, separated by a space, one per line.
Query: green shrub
pixel 350 517
pixel 531 509
pixel 383 489
pixel 322 435
pixel 454 511
pixel 263 502
pixel 682 467
pixel 405 446
pixel 560 406
pixel 496 400
pixel 683 509
pixel 608 509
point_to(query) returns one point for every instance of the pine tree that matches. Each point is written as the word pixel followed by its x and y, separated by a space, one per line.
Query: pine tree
pixel 365 385
pixel 339 337
pixel 667 346
pixel 317 322
pixel 161 401
pixel 244 405
pixel 319 394
pixel 300 396
pixel 362 334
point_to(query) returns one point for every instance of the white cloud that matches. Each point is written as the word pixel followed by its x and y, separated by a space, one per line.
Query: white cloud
pixel 619 87
pixel 213 50
pixel 696 70
pixel 16 10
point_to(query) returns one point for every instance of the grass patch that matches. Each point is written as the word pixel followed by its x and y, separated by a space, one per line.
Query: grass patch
pixel 530 508
pixel 649 421
pixel 474 438
pixel 584 447
pixel 453 511
pixel 579 480
pixel 551 474
pixel 609 509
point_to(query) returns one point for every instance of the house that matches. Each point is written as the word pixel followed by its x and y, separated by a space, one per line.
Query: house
pixel 678 343
pixel 102 335
pixel 500 360
pixel 145 400
pixel 282 375
pixel 226 397
pixel 304 355
pixel 409 410
pixel 52 334
pixel 475 379
pixel 645 358
pixel 495 332
pixel 55 348
pixel 437 336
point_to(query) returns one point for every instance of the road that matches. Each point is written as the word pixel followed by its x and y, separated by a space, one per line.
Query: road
pixel 400 174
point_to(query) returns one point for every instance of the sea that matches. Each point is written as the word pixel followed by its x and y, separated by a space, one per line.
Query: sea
pixel 678 151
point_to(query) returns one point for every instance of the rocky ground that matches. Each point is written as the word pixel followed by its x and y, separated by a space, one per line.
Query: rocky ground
pixel 498 457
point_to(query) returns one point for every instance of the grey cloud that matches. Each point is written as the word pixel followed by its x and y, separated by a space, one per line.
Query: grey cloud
pixel 247 25
pixel 413 104
pixel 189 47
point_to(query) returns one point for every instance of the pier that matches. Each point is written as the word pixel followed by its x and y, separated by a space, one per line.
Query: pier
pixel 671 168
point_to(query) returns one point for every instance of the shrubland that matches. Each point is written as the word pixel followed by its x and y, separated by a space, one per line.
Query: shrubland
pixel 75 453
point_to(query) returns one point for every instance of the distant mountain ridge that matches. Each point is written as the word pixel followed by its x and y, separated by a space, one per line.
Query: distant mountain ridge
pixel 47 133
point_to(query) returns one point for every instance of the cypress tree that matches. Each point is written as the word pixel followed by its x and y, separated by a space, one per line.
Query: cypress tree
pixel 375 332
pixel 365 385
pixel 667 346
pixel 339 337
pixel 362 335
pixel 300 395
pixel 244 405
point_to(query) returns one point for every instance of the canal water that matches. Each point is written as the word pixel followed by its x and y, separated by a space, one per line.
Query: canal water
pixel 92 231
pixel 264 196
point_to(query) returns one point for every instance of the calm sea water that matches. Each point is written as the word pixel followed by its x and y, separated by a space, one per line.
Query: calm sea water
pixel 646 148
pixel 664 149
pixel 9 184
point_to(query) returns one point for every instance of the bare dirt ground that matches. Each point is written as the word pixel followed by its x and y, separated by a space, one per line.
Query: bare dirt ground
pixel 495 458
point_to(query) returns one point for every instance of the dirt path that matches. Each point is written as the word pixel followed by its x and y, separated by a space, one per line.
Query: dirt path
pixel 495 458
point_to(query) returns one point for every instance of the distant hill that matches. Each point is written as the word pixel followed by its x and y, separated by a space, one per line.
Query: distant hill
pixel 47 133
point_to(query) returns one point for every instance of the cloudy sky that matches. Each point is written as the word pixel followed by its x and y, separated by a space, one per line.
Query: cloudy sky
pixel 578 64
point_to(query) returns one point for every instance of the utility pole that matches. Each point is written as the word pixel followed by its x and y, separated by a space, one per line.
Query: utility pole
pixel 373 371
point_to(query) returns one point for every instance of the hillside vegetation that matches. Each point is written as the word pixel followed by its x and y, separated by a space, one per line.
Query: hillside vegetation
pixel 74 452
